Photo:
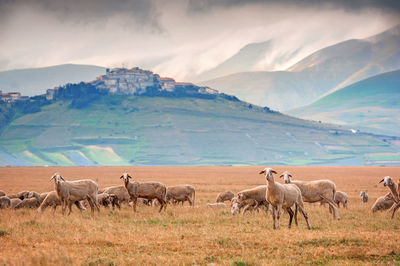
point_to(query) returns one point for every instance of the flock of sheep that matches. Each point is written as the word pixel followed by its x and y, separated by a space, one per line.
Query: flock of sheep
pixel 273 196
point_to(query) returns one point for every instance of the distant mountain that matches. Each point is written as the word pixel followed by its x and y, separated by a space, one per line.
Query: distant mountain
pixel 89 128
pixel 35 81
pixel 316 75
pixel 370 105
pixel 244 60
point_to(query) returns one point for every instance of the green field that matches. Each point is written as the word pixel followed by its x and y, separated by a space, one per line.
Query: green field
pixel 140 130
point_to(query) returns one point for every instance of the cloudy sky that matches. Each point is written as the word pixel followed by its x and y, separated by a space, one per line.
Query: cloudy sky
pixel 179 38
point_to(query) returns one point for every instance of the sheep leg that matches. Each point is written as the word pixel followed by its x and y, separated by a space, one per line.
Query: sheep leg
pixel 245 209
pixel 64 206
pixel 190 201
pixel 54 208
pixel 395 209
pixel 134 200
pixel 163 204
pixel 78 205
pixel 96 203
pixel 274 216
pixel 295 215
pixel 291 214
pixel 91 204
pixel 279 215
pixel 69 208
pixel 301 207
pixel 332 205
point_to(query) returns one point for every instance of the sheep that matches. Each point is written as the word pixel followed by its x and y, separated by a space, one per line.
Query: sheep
pixel 388 182
pixel 383 203
pixel 114 201
pixel 224 196
pixel 283 196
pixel 147 190
pixel 52 200
pixel 247 204
pixel 2 193
pixel 15 202
pixel 104 199
pixel 72 191
pixel 42 196
pixel 364 196
pixel 32 194
pixel 315 191
pixel 28 203
pixel 256 193
pixel 119 191
pixel 5 202
pixel 340 197
pixel 181 193
pixel 20 195
pixel 216 205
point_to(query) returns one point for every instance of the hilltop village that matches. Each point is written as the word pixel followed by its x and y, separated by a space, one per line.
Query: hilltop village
pixel 136 81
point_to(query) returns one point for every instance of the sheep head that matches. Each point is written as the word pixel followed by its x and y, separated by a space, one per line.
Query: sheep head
pixel 57 178
pixel 125 177
pixel 268 173
pixel 387 181
pixel 286 177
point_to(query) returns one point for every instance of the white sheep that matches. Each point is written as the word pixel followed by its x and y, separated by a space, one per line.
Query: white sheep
pixel 364 196
pixel 146 190
pixel 181 193
pixel 383 203
pixel 283 196
pixel 224 196
pixel 315 191
pixel 388 182
pixel 216 205
pixel 71 191
pixel 52 200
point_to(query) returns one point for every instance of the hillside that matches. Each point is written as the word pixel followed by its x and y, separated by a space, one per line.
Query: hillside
pixel 316 75
pixel 143 130
pixel 35 81
pixel 369 105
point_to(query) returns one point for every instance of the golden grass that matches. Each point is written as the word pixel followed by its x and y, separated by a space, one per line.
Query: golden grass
pixel 185 235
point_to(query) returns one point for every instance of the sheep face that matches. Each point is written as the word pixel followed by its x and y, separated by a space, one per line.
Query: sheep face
pixel 125 177
pixel 286 177
pixel 268 173
pixel 387 181
pixel 57 178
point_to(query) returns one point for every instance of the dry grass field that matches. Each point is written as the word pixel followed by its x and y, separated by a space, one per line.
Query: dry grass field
pixel 199 235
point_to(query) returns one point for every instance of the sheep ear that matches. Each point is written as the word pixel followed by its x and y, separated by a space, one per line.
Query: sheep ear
pixel 62 178
pixel 281 176
pixel 52 177
pixel 262 172
pixel 273 171
pixel 129 176
pixel 381 181
pixel 289 175
pixel 121 177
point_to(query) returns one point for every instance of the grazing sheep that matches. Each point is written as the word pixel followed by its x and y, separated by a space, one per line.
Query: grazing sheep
pixel 119 191
pixel 71 191
pixel 15 202
pixel 283 196
pixel 5 202
pixel 2 193
pixel 52 200
pixel 33 194
pixel 146 190
pixel 364 196
pixel 246 205
pixel 383 203
pixel 181 193
pixel 340 197
pixel 216 205
pixel 316 191
pixel 388 182
pixel 28 203
pixel 225 196
pixel 256 193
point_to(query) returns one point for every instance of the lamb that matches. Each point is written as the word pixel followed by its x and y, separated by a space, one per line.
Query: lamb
pixel 5 202
pixel 283 196
pixel 247 204
pixel 224 196
pixel 316 191
pixel 340 197
pixel 181 193
pixel 28 203
pixel 256 193
pixel 2 193
pixel 52 200
pixel 147 190
pixel 15 202
pixel 72 191
pixel 216 205
pixel 383 203
pixel 364 196
pixel 388 182
pixel 119 191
